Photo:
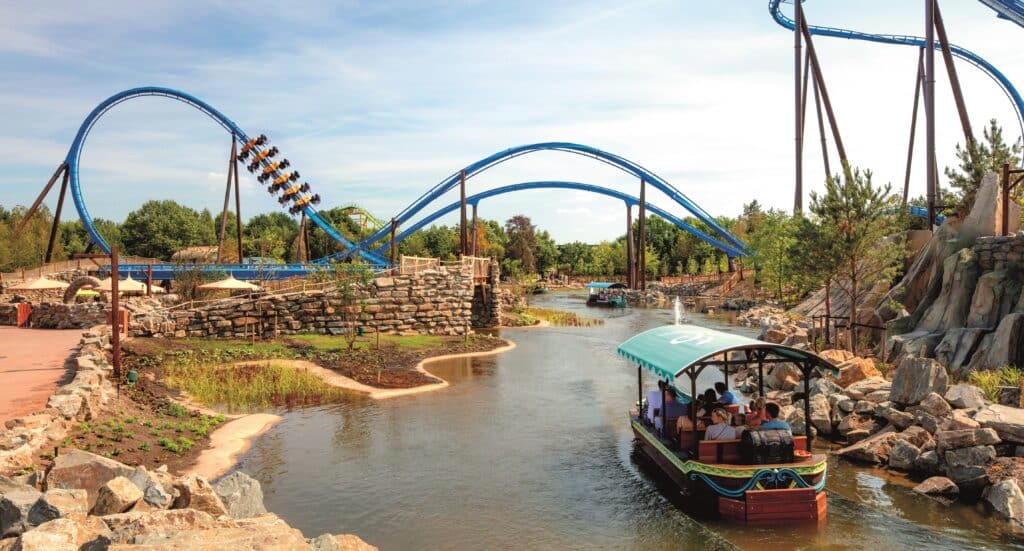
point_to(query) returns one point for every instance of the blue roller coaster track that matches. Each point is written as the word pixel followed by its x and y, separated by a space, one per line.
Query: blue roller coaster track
pixel 1012 10
pixel 75 153
pixel 734 245
pixel 626 198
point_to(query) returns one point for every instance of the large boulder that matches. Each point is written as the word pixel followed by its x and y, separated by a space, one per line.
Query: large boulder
pixel 903 455
pixel 57 503
pixel 959 276
pixel 995 296
pixel 938 486
pixel 855 370
pixel 157 487
pixel 241 495
pixel 77 469
pixel 1007 500
pixel 836 356
pixel 198 531
pixel 964 396
pixel 194 492
pixel 985 217
pixel 15 505
pixel 861 389
pixel 339 542
pixel 1008 422
pixel 116 496
pixel 1003 347
pixel 958 346
pixel 967 438
pixel 968 467
pixel 874 449
pixel 934 404
pixel 916 378
pixel 76 532
pixel 783 377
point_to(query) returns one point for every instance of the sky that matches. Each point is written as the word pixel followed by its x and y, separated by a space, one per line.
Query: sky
pixel 375 102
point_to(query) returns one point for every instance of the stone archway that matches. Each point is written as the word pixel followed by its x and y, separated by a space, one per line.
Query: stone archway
pixel 85 282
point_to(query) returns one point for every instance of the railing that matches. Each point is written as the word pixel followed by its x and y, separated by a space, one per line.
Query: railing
pixel 829 327
pixel 68 265
pixel 408 265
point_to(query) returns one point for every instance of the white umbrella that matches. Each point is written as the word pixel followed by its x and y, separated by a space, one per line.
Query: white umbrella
pixel 127 285
pixel 40 284
pixel 231 284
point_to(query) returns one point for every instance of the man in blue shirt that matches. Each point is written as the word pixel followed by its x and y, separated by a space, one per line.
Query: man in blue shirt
pixel 725 396
pixel 771 411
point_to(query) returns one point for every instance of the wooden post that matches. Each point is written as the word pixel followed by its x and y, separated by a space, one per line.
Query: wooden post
pixel 394 227
pixel 462 213
pixel 149 280
pixel 1005 187
pixel 929 108
pixel 473 228
pixel 115 316
pixel 642 252
pixel 630 260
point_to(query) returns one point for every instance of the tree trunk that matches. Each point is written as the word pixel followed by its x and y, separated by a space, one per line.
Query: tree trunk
pixel 853 303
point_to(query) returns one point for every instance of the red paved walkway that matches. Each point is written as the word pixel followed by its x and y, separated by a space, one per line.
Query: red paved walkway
pixel 31 366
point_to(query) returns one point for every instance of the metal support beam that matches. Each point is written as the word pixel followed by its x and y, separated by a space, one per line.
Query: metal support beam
pixel 238 197
pixel 913 124
pixel 39 200
pixel 56 218
pixel 227 201
pixel 954 80
pixel 798 108
pixel 462 213
pixel 473 229
pixel 630 245
pixel 394 253
pixel 149 280
pixel 929 106
pixel 820 79
pixel 821 128
pixel 300 243
pixel 642 252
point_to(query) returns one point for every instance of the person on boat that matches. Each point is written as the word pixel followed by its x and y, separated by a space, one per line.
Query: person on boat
pixel 707 402
pixel 654 402
pixel 771 413
pixel 755 413
pixel 720 428
pixel 673 408
pixel 725 396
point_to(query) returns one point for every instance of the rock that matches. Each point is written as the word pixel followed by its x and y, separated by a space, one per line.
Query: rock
pixel 78 469
pixel 928 421
pixel 969 466
pixel 340 542
pixel 845 405
pixel 157 487
pixel 1008 422
pixel 127 526
pixel 198 531
pixel 783 377
pixel 959 420
pixel 856 370
pixel 994 297
pixel 903 455
pixel 860 389
pixel 935 405
pixel 915 379
pixel 196 493
pixel 241 494
pixel 960 273
pixel 874 449
pixel 824 387
pixel 985 217
pixel 836 356
pixel 927 462
pixel 116 496
pixel 938 486
pixel 854 422
pixel 821 417
pixel 955 439
pixel 1003 347
pixel 773 336
pixel 14 510
pixel 72 533
pixel 900 419
pixel 917 436
pixel 864 407
pixel 1007 500
pixel 964 396
pixel 67 404
pixel 878 397
pixel 958 346
pixel 57 503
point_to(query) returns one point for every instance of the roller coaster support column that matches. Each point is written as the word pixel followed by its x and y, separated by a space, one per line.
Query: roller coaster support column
pixel 821 129
pixel 238 198
pixel 473 228
pixel 642 253
pixel 462 213
pixel 913 124
pixel 954 80
pixel 56 218
pixel 820 81
pixel 929 105
pixel 798 108
pixel 227 201
pixel 1007 187
pixel 630 261
pixel 394 229
pixel 62 169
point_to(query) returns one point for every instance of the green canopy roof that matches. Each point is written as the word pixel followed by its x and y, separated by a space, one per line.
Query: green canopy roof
pixel 670 349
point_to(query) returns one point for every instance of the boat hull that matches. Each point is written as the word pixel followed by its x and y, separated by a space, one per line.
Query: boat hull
pixel 753 494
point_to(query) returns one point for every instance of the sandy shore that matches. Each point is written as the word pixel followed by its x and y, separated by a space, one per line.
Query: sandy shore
pixel 32 364
pixel 229 441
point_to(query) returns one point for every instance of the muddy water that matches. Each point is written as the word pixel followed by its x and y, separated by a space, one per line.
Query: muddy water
pixel 531 449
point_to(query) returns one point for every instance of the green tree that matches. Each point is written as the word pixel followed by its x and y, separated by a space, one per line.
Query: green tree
pixel 27 248
pixel 860 222
pixel 522 242
pixel 546 254
pixel 980 158
pixel 691 266
pixel 574 257
pixel 771 244
pixel 270 234
pixel 160 228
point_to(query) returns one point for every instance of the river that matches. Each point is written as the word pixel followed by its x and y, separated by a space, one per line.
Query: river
pixel 531 449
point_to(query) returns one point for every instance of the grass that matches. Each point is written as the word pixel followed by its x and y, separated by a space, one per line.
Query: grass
pixel 241 387
pixel 561 318
pixel 336 343
pixel 990 380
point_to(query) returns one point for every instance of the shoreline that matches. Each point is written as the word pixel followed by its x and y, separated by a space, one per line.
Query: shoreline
pixel 235 437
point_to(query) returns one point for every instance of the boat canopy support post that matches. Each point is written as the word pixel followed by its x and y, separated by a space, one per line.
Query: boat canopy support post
pixel 760 373
pixel 725 358
pixel 664 416
pixel 639 390
pixel 807 367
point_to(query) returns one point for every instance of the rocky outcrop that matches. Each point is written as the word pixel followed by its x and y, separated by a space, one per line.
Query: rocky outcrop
pixel 116 496
pixel 78 469
pixel 1007 500
pixel 241 495
pixel 915 379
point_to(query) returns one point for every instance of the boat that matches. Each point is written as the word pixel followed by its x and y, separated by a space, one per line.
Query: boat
pixel 606 294
pixel 721 478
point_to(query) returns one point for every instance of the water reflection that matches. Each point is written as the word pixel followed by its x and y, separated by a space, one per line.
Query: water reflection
pixel 532 449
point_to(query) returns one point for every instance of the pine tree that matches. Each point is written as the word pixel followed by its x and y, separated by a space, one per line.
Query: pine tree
pixel 978 159
pixel 857 223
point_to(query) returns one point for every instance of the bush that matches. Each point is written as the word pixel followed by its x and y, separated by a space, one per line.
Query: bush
pixel 989 381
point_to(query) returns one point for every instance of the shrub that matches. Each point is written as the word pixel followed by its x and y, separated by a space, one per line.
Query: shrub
pixel 989 381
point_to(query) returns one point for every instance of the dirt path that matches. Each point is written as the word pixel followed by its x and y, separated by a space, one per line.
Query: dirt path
pixel 32 365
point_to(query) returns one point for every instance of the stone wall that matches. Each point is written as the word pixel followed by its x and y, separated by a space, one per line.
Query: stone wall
pixel 1001 252
pixel 436 303
pixel 50 315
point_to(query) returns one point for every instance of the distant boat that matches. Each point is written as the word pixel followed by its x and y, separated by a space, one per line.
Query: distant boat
pixel 606 294
pixel 540 289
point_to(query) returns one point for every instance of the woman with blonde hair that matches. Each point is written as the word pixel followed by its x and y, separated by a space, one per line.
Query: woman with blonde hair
pixel 720 428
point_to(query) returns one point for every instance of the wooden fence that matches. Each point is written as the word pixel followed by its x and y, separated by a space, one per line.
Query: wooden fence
pixel 68 265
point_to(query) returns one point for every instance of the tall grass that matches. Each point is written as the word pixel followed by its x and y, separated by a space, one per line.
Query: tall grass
pixel 990 380
pixel 251 385
pixel 335 343
pixel 561 318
